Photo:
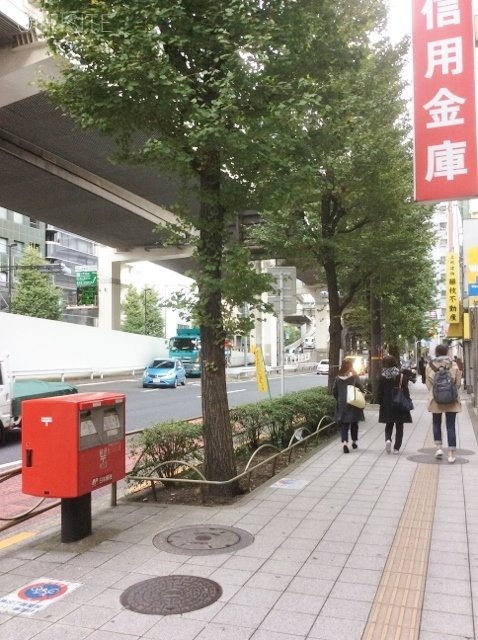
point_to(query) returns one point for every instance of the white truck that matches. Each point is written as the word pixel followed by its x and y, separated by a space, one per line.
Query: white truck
pixel 13 392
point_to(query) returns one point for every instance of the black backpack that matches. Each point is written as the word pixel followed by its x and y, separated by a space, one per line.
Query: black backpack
pixel 444 390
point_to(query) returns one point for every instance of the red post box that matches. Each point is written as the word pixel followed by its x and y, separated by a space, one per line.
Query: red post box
pixel 72 445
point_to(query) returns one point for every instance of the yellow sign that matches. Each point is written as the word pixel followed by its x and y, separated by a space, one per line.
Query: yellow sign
pixel 472 275
pixel 261 375
pixel 452 289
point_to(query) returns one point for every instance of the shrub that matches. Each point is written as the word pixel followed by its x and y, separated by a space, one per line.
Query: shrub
pixel 271 421
pixel 167 441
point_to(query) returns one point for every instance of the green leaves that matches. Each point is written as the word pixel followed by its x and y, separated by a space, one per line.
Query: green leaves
pixel 34 293
pixel 143 312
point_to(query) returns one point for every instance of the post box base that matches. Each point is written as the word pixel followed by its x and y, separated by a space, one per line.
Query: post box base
pixel 75 518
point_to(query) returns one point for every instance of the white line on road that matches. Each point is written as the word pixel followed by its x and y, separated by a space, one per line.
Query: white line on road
pixel 235 391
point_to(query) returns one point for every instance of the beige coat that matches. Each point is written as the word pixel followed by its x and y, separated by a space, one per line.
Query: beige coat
pixel 433 406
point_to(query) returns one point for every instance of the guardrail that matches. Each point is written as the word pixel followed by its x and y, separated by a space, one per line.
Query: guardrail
pixel 91 373
pixel 78 372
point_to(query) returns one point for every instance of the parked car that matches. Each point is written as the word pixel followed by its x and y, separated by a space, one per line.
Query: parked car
pixel 322 367
pixel 164 372
pixel 309 342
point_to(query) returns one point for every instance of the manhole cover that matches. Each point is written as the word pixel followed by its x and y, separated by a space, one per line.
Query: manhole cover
pixel 166 595
pixel 201 540
pixel 430 459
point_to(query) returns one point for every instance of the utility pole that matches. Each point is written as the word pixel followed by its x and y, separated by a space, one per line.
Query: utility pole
pixel 11 245
pixel 144 305
pixel 281 333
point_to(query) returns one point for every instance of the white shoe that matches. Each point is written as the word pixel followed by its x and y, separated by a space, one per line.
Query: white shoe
pixel 388 446
pixel 451 458
pixel 396 452
pixel 438 454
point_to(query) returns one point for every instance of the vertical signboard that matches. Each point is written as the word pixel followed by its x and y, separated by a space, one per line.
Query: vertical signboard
pixel 444 100
pixel 471 265
pixel 452 289
pixel 261 375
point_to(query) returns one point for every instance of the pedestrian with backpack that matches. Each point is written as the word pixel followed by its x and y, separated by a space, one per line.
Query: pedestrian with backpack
pixel 443 379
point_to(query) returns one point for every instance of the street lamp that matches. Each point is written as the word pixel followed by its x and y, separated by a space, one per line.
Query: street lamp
pixel 146 289
pixel 11 245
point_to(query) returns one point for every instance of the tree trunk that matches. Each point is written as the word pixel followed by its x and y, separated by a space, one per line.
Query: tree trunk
pixel 375 355
pixel 219 458
pixel 329 223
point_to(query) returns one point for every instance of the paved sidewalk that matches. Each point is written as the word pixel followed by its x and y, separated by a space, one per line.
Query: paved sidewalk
pixel 360 546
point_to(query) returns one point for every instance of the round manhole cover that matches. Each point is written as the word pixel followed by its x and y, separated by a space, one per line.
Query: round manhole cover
pixel 167 595
pixel 202 540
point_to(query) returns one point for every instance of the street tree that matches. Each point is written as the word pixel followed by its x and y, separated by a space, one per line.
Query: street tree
pixel 142 312
pixel 346 181
pixel 35 294
pixel 197 88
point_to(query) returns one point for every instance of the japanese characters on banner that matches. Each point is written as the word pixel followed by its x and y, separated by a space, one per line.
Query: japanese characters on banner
pixel 444 100
pixel 452 284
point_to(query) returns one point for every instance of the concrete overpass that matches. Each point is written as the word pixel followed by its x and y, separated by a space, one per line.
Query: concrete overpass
pixel 55 172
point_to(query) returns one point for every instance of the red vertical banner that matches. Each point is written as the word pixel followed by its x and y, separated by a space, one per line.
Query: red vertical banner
pixel 445 153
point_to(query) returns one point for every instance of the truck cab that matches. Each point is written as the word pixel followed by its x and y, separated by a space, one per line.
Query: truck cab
pixel 14 392
pixel 186 345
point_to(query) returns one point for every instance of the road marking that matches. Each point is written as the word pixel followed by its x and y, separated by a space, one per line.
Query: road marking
pixel 235 391
pixel 90 384
pixel 19 537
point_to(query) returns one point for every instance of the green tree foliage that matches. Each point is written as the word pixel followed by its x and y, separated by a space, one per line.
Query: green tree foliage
pixel 142 312
pixel 34 293
pixel 340 203
pixel 197 87
pixel 271 106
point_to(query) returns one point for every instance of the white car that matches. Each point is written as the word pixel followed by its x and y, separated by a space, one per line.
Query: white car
pixel 322 367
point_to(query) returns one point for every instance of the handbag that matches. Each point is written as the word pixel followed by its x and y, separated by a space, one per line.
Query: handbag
pixel 400 402
pixel 355 397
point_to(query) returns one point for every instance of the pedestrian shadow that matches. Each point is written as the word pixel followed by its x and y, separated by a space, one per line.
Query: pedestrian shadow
pixel 427 456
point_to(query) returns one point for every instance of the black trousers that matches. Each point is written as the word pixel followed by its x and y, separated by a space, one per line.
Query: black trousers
pixel 398 433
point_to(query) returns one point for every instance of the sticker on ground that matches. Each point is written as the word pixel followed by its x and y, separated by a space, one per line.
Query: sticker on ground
pixel 35 596
pixel 289 483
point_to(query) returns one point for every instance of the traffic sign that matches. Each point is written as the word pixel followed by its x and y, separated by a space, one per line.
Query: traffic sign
pixel 86 277
pixel 286 284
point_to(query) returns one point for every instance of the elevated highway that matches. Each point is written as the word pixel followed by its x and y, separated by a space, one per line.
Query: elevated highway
pixel 53 171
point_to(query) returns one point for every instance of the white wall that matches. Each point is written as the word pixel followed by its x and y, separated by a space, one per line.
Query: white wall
pixel 37 345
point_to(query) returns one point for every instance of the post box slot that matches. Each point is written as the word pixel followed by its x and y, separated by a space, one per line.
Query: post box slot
pixel 29 457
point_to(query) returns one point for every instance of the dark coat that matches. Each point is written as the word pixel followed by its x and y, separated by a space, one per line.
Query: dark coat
pixel 387 412
pixel 346 412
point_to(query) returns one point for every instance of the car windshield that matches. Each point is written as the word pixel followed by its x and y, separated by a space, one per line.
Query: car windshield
pixel 162 364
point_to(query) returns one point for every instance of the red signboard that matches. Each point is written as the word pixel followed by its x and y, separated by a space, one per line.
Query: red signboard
pixel 444 100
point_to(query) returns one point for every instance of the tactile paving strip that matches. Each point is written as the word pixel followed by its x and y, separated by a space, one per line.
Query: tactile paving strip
pixel 202 540
pixel 168 595
pixel 396 610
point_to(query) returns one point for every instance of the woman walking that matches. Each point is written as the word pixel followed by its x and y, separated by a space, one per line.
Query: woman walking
pixel 443 362
pixel 346 415
pixel 391 379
